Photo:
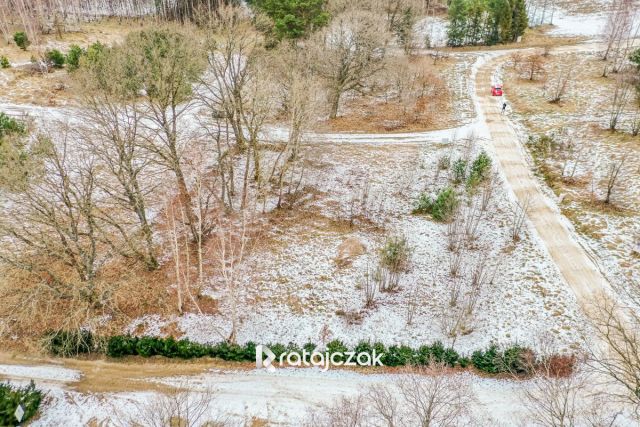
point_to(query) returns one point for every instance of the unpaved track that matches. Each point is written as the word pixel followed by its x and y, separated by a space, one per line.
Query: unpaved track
pixel 577 268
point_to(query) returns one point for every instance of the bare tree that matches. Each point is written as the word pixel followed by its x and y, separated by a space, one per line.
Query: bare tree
pixel 369 288
pixel 558 84
pixel 112 130
pixel 54 220
pixel 238 92
pixel 611 178
pixel 421 396
pixel 616 352
pixel 532 66
pixel 431 396
pixel 520 212
pixel 230 242
pixel 621 95
pixel 344 412
pixel 618 26
pixel 178 408
pixel 350 51
pixel 167 62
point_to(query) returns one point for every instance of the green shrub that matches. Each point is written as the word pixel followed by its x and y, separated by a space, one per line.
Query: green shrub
pixel 423 355
pixel 440 209
pixel 438 352
pixel 10 397
pixel 464 362
pixel 250 350
pixel 399 356
pixel 635 57
pixel 122 345
pixel 277 349
pixel 450 357
pixel 9 125
pixel 459 171
pixel 479 169
pixel 309 347
pixel 487 360
pixel 230 352
pixel 516 360
pixel 395 254
pixel 337 346
pixel 364 347
pixel 73 57
pixel 21 40
pixel 4 62
pixel 149 346
pixel 69 343
pixel 95 52
pixel 55 58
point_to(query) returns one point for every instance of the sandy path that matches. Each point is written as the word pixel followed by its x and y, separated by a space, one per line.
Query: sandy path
pixel 574 263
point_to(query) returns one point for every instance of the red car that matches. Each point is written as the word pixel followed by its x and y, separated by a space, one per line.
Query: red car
pixel 496 90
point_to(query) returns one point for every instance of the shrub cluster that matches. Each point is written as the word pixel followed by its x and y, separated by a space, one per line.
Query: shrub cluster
pixel 55 58
pixel 459 171
pixel 395 254
pixel 127 345
pixel 515 359
pixel 441 208
pixel 10 397
pixel 479 169
pixel 4 62
pixel 9 125
pixel 73 57
pixel 21 40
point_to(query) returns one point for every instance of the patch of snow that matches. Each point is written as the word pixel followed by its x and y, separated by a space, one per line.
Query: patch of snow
pixel 587 25
pixel 41 373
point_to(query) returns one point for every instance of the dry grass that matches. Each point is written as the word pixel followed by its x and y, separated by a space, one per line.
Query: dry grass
pixel 382 111
pixel 533 37
pixel 30 307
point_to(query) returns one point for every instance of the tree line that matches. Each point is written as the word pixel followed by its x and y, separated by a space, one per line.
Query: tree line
pixel 486 22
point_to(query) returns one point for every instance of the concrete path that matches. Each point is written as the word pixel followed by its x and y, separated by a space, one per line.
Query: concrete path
pixel 578 269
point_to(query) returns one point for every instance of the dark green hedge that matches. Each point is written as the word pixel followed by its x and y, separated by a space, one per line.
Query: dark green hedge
pixel 513 359
pixel 10 397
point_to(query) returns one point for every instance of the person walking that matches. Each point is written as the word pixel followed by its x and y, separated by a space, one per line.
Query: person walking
pixel 504 107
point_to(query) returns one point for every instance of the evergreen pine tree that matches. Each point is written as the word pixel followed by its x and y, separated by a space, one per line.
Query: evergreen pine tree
pixel 456 34
pixel 499 26
pixel 477 21
pixel 519 21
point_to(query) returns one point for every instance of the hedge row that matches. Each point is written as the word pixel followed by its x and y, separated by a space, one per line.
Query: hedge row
pixel 514 359
pixel 11 396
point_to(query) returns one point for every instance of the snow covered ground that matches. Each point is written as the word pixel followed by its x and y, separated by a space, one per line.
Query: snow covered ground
pixel 588 25
pixel 284 397
pixel 293 288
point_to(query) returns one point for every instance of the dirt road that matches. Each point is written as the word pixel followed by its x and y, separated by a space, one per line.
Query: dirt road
pixel 574 263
